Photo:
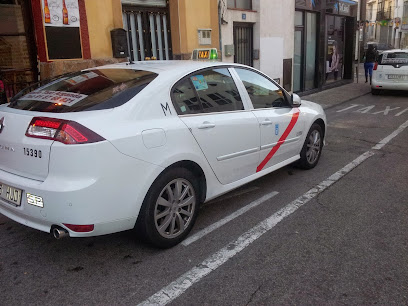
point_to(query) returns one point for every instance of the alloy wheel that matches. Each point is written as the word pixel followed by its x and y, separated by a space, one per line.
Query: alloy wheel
pixel 175 208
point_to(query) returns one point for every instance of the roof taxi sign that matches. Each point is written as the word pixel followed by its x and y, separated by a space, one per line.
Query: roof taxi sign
pixel 205 54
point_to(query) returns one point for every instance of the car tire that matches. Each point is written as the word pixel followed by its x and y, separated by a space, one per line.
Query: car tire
pixel 170 208
pixel 312 148
pixel 375 92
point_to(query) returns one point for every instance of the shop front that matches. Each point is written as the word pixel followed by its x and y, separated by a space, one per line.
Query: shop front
pixel 324 43
pixel 339 40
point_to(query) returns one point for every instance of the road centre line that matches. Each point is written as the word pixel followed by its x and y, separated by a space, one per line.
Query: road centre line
pixel 227 219
pixel 214 261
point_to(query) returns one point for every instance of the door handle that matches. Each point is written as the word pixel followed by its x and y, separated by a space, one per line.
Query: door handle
pixel 266 122
pixel 206 125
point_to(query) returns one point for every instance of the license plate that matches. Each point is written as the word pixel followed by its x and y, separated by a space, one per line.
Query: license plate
pixel 397 77
pixel 10 194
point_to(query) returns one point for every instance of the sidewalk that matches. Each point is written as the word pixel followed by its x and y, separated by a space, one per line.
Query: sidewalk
pixel 330 97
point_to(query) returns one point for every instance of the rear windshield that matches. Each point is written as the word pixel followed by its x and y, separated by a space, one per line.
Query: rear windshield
pixel 394 58
pixel 86 91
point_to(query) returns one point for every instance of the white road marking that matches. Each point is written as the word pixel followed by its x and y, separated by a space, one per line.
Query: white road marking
pixel 188 279
pixel 365 110
pixel 347 108
pixel 387 139
pixel 227 219
pixel 400 113
pixel 387 110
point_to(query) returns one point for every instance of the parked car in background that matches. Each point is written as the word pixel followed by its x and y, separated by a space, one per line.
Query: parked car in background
pixel 379 47
pixel 144 144
pixel 391 71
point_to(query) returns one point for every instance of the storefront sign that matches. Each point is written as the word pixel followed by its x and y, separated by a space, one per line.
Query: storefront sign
pixel 340 7
pixel 308 4
pixel 404 24
pixel 344 8
pixel 61 13
pixel 61 22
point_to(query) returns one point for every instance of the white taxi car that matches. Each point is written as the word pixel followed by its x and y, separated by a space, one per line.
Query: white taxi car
pixel 391 71
pixel 142 145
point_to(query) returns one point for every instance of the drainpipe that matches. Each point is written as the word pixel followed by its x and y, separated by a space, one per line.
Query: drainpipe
pixel 357 56
pixel 219 28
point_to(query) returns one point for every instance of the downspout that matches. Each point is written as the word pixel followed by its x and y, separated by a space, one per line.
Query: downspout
pixel 219 28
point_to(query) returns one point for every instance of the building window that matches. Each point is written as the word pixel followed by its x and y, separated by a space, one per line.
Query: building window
pixel 204 37
pixel 240 4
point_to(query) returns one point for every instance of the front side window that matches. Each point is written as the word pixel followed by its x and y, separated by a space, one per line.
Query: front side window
pixel 86 90
pixel 240 4
pixel 263 92
pixel 207 91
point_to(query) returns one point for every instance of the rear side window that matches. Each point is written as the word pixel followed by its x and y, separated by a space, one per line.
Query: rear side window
pixel 86 91
pixel 394 58
pixel 207 91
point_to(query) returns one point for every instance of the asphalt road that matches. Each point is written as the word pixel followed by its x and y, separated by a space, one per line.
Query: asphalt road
pixel 327 240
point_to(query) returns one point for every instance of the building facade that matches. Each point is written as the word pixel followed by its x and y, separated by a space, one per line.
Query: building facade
pixel 42 39
pixel 258 33
pixel 304 45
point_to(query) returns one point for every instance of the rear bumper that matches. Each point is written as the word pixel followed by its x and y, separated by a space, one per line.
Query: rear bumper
pixel 105 192
pixel 389 86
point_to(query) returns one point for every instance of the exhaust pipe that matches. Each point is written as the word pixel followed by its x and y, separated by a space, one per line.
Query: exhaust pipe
pixel 59 232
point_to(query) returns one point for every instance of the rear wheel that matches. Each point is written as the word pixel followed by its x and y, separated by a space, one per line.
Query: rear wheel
pixel 375 92
pixel 312 148
pixel 170 208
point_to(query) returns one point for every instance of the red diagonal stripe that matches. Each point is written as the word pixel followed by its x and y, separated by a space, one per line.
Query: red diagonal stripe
pixel 285 135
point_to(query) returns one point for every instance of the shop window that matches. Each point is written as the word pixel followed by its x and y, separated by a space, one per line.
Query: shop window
pixel 240 4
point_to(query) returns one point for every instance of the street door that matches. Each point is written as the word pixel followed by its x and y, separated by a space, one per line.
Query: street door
pixel 210 105
pixel 243 43
pixel 148 32
pixel 281 125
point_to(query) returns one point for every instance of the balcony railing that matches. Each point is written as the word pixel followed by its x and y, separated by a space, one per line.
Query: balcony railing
pixel 385 15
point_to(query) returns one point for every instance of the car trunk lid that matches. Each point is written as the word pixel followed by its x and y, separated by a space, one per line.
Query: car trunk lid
pixel 21 155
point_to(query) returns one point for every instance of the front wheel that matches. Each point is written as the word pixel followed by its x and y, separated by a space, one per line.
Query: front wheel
pixel 170 208
pixel 312 148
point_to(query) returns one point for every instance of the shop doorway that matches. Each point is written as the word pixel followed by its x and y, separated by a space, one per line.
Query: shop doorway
pixel 18 53
pixel 243 43
pixel 148 32
pixel 305 56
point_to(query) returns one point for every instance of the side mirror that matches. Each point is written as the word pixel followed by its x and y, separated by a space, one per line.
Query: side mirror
pixel 296 100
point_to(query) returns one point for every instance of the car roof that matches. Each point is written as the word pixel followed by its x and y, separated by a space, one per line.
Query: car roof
pixel 161 66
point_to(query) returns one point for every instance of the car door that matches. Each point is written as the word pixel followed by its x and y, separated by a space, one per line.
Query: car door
pixel 281 125
pixel 209 103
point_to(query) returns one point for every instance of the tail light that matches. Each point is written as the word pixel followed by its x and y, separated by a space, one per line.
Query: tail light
pixel 375 66
pixel 65 131
pixel 80 228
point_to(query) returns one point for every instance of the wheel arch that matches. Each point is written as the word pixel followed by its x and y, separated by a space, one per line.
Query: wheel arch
pixel 321 123
pixel 197 172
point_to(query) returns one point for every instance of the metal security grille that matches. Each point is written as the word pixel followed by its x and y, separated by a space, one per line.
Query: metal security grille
pixel 243 44
pixel 148 33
